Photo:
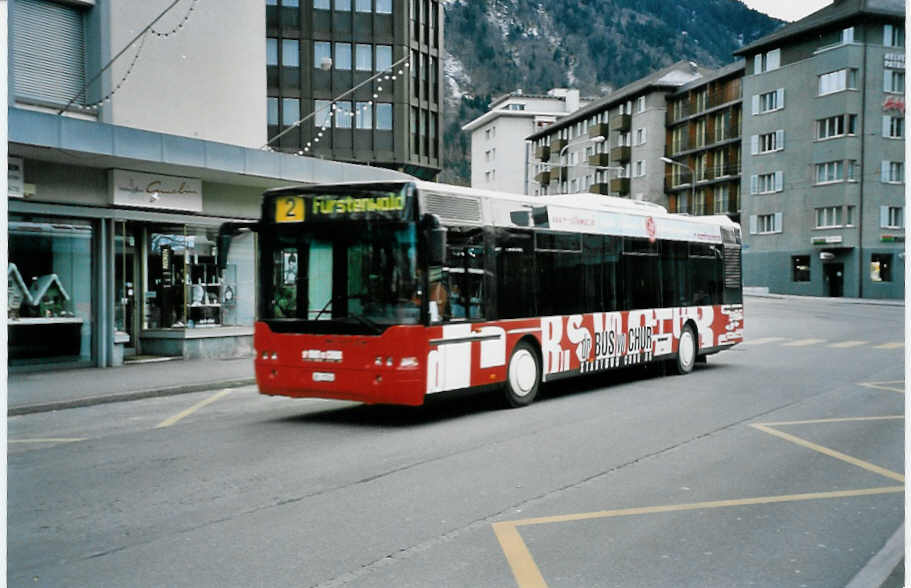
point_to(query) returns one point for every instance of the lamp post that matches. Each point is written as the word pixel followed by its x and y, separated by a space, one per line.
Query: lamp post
pixel 692 177
pixel 598 139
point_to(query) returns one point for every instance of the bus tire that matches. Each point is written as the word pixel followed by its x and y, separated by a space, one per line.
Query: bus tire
pixel 523 376
pixel 686 351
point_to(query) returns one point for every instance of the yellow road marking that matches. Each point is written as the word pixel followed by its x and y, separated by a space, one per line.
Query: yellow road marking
pixel 803 342
pixel 847 344
pixel 831 453
pixel 192 409
pixel 48 440
pixel 839 420
pixel 526 571
pixel 894 386
pixel 764 340
pixel 890 345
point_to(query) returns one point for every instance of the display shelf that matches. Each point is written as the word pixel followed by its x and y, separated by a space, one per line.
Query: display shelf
pixel 52 320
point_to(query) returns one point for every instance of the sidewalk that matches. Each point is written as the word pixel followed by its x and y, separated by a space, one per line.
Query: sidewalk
pixel 756 292
pixel 55 390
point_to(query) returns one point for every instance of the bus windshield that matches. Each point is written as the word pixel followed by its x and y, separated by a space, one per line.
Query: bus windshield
pixel 362 274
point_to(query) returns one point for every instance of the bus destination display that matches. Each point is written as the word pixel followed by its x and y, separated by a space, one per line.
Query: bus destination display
pixel 298 209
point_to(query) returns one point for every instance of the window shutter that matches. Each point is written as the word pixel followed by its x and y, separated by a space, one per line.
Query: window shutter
pixel 643 167
pixel 779 217
pixel 780 92
pixel 883 216
pixel 753 224
pixel 887 125
pixel 885 171
pixel 887 80
pixel 754 183
pixel 755 104
pixel 779 181
pixel 779 139
pixel 754 144
pixel 48 51
pixel 757 63
pixel 774 60
pixel 644 135
pixel 887 35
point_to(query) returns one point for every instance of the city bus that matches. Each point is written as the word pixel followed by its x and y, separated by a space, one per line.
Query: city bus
pixel 388 293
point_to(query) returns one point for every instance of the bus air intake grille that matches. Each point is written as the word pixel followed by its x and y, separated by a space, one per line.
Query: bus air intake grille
pixel 453 208
pixel 732 277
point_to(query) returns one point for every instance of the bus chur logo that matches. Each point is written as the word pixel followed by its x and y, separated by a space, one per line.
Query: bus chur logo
pixel 319 355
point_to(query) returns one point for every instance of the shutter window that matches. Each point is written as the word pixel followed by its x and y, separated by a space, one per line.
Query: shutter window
pixel 779 140
pixel 885 171
pixel 773 60
pixel 780 92
pixel 48 51
pixel 887 35
pixel 887 80
pixel 757 63
pixel 754 144
pixel 755 104
pixel 753 230
pixel 883 216
pixel 779 181
pixel 779 219
pixel 887 125
pixel 754 183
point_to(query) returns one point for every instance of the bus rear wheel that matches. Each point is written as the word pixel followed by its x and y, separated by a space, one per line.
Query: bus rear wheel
pixel 686 351
pixel 523 376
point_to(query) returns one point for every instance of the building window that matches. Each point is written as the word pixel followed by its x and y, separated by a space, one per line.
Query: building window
pixel 834 126
pixel 847 35
pixel 699 203
pixel 321 4
pixel 881 267
pixel 893 172
pixel 893 35
pixel 640 168
pixel 722 199
pixel 640 104
pixel 800 268
pixel 362 6
pixel 363 57
pixel 383 57
pixel 290 53
pixel 831 171
pixel 894 81
pixel 291 111
pixel 768 223
pixel 768 142
pixel 768 102
pixel 343 56
pixel 828 217
pixel 323 110
pixel 763 62
pixel 767 183
pixel 363 118
pixel 890 217
pixel 837 81
pixel 894 127
pixel 272 111
pixel 384 6
pixel 678 139
pixel 700 132
pixel 343 5
pixel 699 167
pixel 322 53
pixel 720 127
pixel 383 116
pixel 271 51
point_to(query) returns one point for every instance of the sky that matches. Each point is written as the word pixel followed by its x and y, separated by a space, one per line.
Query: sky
pixel 789 10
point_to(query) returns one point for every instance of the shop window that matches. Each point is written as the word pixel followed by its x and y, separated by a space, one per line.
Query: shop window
pixel 185 288
pixel 49 277
pixel 881 267
pixel 800 268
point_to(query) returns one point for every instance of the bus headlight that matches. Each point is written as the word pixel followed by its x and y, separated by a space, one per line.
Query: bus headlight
pixel 378 360
pixel 274 356
pixel 390 362
pixel 265 355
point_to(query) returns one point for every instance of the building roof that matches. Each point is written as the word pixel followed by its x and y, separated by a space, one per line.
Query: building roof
pixel 672 76
pixel 838 11
pixel 732 69
pixel 494 114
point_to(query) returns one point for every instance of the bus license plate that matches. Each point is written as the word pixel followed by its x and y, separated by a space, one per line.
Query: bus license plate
pixel 323 377
pixel 289 209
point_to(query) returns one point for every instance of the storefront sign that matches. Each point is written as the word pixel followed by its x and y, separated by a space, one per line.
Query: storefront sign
pixel 130 188
pixel 832 239
pixel 15 177
pixel 892 238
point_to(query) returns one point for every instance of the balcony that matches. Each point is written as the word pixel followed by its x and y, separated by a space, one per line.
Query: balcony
pixel 543 177
pixel 599 160
pixel 559 173
pixel 542 153
pixel 621 122
pixel 556 145
pixel 602 188
pixel 620 154
pixel 619 186
pixel 598 130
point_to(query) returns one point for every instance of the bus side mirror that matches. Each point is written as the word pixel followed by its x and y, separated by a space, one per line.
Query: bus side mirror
pixel 226 233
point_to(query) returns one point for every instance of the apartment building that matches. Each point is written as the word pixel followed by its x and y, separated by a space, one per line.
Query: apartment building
pixel 499 152
pixel 322 61
pixel 614 145
pixel 823 153
pixel 703 138
pixel 121 172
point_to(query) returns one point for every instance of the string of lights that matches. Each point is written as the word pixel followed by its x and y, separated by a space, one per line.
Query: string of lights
pixel 107 98
pixel 179 25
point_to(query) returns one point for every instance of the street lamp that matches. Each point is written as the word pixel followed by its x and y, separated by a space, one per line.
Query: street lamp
pixel 692 178
pixel 598 139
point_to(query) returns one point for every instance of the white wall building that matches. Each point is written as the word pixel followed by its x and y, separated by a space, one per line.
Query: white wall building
pixel 499 153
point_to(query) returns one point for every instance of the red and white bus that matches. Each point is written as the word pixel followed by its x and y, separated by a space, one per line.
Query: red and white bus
pixel 391 292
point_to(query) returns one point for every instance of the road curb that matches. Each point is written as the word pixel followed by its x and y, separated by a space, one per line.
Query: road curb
pixel 126 396
pixel 870 301
pixel 881 566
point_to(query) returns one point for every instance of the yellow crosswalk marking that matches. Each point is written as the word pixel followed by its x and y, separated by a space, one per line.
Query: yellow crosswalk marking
pixel 847 344
pixel 896 345
pixel 803 342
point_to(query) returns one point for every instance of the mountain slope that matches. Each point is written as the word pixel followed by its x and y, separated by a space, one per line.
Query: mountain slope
pixel 496 46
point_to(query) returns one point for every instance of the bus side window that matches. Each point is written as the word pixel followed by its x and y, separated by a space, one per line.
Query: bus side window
pixel 515 267
pixel 674 272
pixel 613 292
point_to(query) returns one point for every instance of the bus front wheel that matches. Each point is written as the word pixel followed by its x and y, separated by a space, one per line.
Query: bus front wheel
pixel 523 376
pixel 686 351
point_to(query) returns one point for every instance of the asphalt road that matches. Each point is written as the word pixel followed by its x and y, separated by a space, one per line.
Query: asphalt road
pixel 778 463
